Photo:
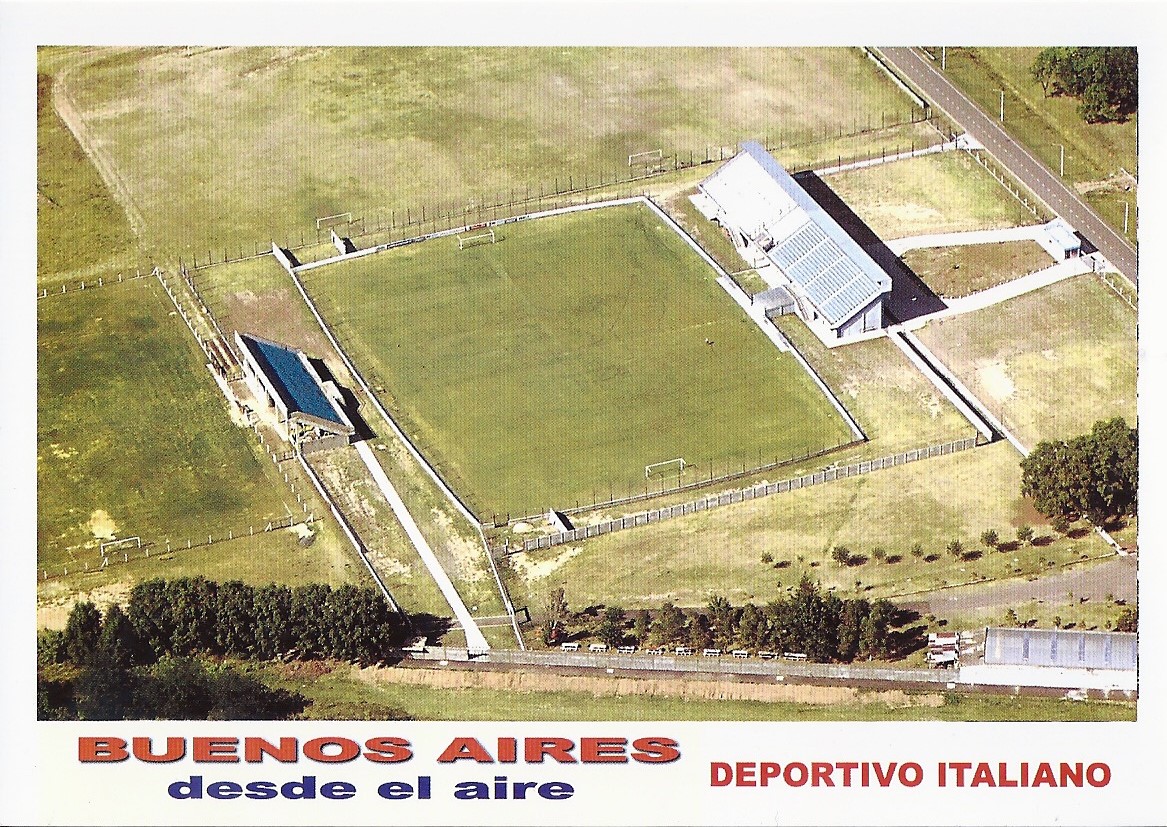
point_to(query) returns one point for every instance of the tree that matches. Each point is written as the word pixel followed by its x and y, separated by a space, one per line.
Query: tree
pixel 851 629
pixel 119 647
pixel 669 625
pixel 841 555
pixel 723 618
pixel 1128 620
pixel 555 626
pixel 611 628
pixel 1095 474
pixel 1060 523
pixel 879 553
pixel 700 632
pixel 955 548
pixel 82 633
pixel 751 626
pixel 1105 79
pixel 640 628
pixel 917 549
pixel 1024 533
pixel 990 538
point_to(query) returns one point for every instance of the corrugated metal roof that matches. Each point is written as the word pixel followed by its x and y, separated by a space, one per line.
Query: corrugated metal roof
pixel 1066 648
pixel 298 389
pixel 837 276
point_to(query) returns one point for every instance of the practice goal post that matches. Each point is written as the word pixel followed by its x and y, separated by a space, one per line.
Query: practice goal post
pixel 334 220
pixel 663 467
pixel 465 241
pixel 651 156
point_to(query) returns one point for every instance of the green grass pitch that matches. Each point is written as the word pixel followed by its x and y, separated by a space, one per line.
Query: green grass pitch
pixel 551 367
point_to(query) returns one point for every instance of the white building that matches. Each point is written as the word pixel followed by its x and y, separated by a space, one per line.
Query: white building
pixel 1064 658
pixel 836 287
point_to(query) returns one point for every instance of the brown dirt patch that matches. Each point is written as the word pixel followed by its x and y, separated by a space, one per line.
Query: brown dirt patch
pixel 614 686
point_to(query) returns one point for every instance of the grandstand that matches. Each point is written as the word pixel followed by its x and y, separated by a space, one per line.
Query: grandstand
pixel 308 408
pixel 836 287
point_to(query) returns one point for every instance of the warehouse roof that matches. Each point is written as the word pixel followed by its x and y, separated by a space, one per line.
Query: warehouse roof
pixel 837 276
pixel 1066 648
pixel 293 379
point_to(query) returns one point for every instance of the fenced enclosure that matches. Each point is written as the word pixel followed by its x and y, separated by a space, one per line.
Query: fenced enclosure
pixel 754 492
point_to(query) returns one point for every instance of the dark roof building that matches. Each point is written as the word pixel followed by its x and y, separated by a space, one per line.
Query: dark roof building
pixel 307 406
pixel 837 286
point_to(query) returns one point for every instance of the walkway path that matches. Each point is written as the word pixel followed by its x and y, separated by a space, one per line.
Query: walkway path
pixel 899 246
pixel 475 640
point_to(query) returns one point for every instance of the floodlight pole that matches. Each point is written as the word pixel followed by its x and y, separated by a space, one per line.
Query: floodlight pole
pixel 1002 105
pixel 943 58
pixel 1126 214
pixel 1062 163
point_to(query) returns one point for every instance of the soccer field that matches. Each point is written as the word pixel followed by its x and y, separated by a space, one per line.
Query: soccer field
pixel 551 367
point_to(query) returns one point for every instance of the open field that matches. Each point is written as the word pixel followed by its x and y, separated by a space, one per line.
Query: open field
pixel 1095 153
pixel 943 193
pixel 343 692
pixel 691 558
pixel 270 557
pixel 509 362
pixel 1049 363
pixel 133 437
pixel 341 126
pixel 958 271
pixel 79 226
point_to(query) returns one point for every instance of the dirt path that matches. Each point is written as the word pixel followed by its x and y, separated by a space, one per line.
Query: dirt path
pixel 63 103
pixel 621 686
pixel 1115 576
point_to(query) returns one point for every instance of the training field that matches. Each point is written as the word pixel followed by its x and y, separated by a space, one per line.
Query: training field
pixel 132 436
pixel 551 367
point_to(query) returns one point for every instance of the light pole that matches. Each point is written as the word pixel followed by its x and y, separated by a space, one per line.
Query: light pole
pixel 1126 214
pixel 1062 162
pixel 1002 105
pixel 943 58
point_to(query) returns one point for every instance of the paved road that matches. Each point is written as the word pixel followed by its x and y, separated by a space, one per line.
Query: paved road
pixel 1044 183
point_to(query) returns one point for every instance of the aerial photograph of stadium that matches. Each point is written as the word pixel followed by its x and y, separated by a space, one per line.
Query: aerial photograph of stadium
pixel 596 384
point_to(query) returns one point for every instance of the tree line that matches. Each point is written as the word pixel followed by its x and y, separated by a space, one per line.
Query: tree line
pixel 1095 475
pixel 823 626
pixel 1105 79
pixel 143 661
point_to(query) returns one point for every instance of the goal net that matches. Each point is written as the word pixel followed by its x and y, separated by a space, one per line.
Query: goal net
pixel 465 241
pixel 334 220
pixel 650 157
pixel 668 466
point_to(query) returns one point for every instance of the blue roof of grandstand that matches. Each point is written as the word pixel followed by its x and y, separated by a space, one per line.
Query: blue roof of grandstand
pixel 837 275
pixel 298 389
pixel 1061 647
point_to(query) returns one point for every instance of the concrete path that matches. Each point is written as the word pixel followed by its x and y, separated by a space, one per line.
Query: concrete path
pixel 475 640
pixel 899 246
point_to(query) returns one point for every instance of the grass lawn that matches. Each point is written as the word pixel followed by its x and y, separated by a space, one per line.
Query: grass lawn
pixel 691 558
pixel 1094 152
pixel 79 225
pixel 1049 363
pixel 350 129
pixel 942 193
pixel 894 404
pixel 540 370
pixel 269 557
pixel 343 694
pixel 958 271
pixel 133 438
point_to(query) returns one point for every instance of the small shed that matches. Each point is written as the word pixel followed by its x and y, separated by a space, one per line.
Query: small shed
pixel 1059 240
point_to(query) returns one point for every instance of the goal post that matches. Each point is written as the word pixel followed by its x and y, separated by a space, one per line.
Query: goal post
pixel 346 216
pixel 465 241
pixel 651 156
pixel 663 467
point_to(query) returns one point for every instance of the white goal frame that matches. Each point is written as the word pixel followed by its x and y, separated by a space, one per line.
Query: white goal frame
pixel 465 240
pixel 107 546
pixel 347 215
pixel 679 461
pixel 647 157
